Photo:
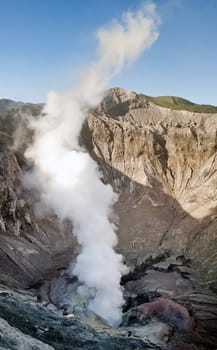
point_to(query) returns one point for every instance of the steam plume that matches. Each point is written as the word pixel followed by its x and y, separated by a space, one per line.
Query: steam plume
pixel 68 178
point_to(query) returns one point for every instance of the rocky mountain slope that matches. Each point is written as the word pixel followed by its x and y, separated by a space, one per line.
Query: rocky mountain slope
pixel 162 163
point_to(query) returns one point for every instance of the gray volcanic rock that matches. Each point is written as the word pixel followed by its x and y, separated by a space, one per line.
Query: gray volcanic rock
pixel 169 284
pixel 12 338
pixel 163 164
pixel 37 326
pixel 32 246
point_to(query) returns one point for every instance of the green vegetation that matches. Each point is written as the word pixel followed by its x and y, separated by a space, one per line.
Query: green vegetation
pixel 6 104
pixel 163 101
pixel 180 104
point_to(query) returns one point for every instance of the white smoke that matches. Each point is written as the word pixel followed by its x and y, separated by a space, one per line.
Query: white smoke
pixel 68 178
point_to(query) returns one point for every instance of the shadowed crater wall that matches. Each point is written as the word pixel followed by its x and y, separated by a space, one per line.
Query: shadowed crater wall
pixel 162 163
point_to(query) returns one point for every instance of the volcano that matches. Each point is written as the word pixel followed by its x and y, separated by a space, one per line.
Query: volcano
pixel 162 164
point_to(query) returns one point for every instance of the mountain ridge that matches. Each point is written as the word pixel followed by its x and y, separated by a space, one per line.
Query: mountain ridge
pixel 179 103
pixel 171 102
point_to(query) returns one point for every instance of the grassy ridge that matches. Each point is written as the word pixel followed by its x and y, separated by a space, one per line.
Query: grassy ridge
pixel 179 103
pixel 172 102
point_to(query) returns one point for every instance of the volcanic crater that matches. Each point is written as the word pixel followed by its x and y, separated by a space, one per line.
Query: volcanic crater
pixel 162 164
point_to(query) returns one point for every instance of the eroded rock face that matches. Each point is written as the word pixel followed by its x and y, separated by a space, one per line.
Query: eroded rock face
pixel 163 164
pixel 31 246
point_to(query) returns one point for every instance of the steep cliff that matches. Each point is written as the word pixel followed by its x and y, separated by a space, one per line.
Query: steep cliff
pixel 162 163
pixel 33 244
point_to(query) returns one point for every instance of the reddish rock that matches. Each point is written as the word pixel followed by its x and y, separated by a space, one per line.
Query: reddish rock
pixel 172 313
pixel 178 317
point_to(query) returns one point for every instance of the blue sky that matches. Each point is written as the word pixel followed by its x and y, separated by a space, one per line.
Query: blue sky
pixel 44 42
